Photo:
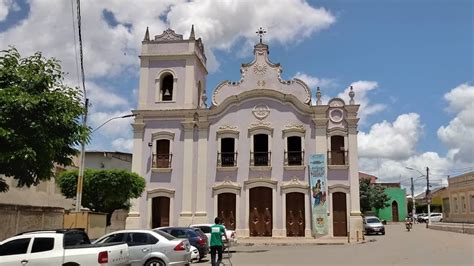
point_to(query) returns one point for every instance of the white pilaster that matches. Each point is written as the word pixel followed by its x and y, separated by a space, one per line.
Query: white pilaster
pixel 186 211
pixel 201 195
pixel 355 221
pixel 133 218
pixel 190 87
pixel 144 87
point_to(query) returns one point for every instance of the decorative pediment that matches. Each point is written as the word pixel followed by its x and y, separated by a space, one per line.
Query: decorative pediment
pixel 294 183
pixel 160 192
pixel 226 186
pixel 261 74
pixel 227 130
pixel 293 128
pixel 162 135
pixel 261 125
pixel 169 35
pixel 260 182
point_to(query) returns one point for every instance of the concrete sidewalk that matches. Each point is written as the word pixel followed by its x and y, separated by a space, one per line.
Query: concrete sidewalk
pixel 453 227
pixel 295 241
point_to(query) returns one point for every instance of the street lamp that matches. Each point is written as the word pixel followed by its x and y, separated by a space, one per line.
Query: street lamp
pixel 80 178
pixel 427 194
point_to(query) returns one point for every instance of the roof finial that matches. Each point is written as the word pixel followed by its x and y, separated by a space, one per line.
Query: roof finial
pixel 191 36
pixel 318 97
pixel 147 35
pixel 351 94
pixel 260 32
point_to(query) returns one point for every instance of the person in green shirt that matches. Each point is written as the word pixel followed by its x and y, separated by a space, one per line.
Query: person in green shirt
pixel 217 230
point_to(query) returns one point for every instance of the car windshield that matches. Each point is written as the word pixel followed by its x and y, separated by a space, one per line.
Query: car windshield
pixel 164 234
pixel 373 220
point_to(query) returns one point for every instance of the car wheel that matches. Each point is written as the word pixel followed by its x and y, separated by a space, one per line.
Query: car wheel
pixel 154 262
pixel 383 233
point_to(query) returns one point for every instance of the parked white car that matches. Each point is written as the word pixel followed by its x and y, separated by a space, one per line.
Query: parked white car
pixel 151 247
pixel 60 247
pixel 435 217
pixel 206 228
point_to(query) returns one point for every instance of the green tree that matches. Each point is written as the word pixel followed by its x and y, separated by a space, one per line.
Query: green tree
pixel 372 196
pixel 39 118
pixel 103 190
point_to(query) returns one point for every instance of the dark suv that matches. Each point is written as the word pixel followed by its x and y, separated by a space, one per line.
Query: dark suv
pixel 195 236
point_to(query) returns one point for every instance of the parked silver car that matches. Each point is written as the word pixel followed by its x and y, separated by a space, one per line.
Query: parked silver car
pixel 151 247
pixel 373 224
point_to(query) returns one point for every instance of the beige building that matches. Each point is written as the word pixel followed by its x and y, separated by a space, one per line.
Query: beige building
pixel 458 202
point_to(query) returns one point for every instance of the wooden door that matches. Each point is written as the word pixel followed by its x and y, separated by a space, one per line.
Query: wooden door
pixel 394 211
pixel 160 211
pixel 339 210
pixel 261 211
pixel 295 214
pixel 226 209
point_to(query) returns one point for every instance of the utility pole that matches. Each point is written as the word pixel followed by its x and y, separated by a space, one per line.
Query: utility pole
pixel 428 196
pixel 80 178
pixel 413 211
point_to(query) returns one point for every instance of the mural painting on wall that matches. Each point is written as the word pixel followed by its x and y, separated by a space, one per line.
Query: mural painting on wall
pixel 318 184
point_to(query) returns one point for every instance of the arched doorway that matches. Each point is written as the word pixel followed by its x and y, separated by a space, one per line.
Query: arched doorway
pixel 394 211
pixel 339 210
pixel 226 209
pixel 295 214
pixel 261 211
pixel 160 211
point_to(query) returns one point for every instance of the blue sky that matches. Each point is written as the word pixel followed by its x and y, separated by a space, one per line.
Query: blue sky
pixel 411 63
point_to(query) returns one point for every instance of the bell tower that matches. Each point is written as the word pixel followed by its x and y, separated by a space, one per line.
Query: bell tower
pixel 172 72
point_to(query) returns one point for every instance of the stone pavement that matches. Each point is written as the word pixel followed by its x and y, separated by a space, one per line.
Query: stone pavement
pixel 420 246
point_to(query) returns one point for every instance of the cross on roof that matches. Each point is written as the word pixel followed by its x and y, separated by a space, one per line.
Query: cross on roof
pixel 260 32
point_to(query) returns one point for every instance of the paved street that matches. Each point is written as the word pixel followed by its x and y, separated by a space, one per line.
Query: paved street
pixel 420 246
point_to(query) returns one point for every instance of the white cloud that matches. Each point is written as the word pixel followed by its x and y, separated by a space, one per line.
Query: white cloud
pixel 390 170
pixel 5 7
pixel 109 50
pixel 361 89
pixel 314 82
pixel 116 127
pixel 104 98
pixel 396 141
pixel 458 135
pixel 124 145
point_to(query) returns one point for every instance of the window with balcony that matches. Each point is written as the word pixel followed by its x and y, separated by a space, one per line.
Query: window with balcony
pixel 260 155
pixel 337 154
pixel 294 153
pixel 227 157
pixel 162 157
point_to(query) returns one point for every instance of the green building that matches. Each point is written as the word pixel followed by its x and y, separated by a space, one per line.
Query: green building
pixel 397 210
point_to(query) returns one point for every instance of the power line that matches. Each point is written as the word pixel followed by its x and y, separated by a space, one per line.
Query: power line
pixel 80 47
pixel 75 42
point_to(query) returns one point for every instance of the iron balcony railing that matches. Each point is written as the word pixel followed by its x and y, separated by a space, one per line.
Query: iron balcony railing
pixel 226 159
pixel 294 157
pixel 337 157
pixel 162 160
pixel 262 158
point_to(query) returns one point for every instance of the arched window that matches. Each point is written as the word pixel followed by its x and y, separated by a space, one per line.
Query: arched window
pixel 163 156
pixel 337 151
pixel 166 89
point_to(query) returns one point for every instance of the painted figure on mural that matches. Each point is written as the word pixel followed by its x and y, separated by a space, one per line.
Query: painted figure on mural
pixel 317 193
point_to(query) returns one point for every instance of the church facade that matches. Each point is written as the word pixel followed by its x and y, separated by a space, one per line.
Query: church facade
pixel 246 157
